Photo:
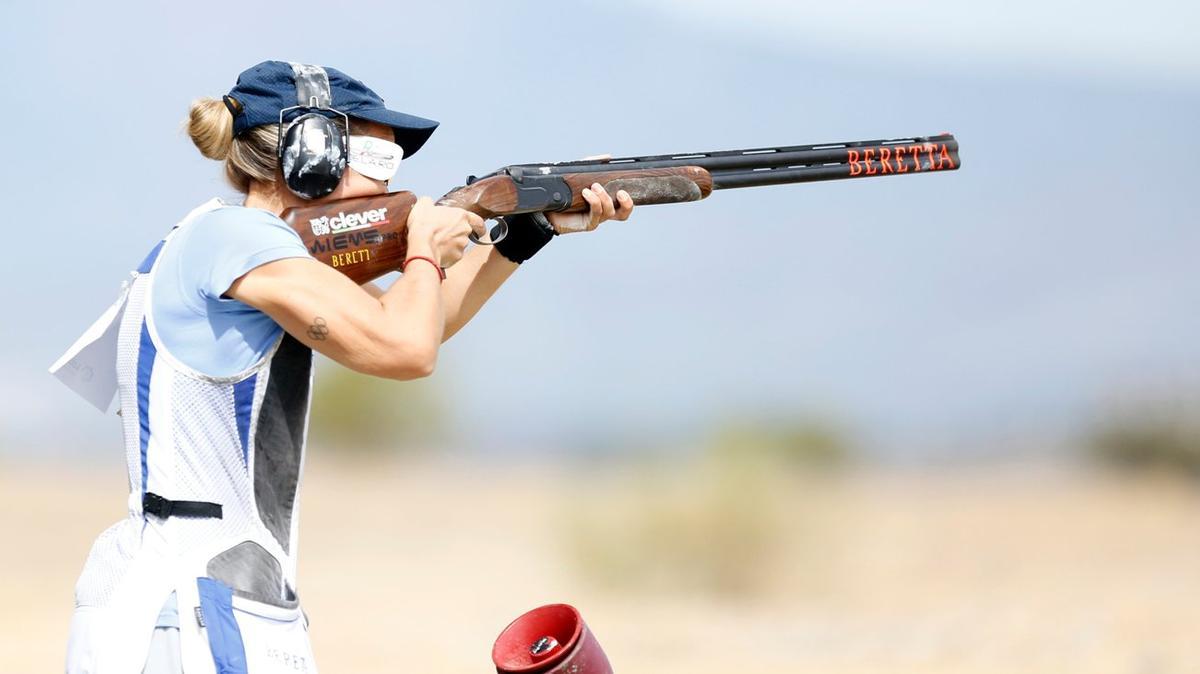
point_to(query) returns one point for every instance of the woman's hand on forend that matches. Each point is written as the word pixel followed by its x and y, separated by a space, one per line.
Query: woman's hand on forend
pixel 601 206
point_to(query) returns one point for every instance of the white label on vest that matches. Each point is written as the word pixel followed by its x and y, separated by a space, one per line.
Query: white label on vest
pixel 89 367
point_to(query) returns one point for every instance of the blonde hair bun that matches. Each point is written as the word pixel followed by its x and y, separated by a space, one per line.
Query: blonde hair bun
pixel 211 127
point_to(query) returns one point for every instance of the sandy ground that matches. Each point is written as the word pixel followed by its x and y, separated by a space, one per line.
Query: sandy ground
pixel 416 567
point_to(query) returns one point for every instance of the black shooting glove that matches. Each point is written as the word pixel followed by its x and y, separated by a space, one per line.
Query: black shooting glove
pixel 527 233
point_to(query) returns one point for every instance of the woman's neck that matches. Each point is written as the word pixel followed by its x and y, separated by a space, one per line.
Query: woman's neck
pixel 270 199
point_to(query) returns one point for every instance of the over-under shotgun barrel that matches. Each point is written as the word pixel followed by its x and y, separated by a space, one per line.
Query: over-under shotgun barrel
pixel 789 164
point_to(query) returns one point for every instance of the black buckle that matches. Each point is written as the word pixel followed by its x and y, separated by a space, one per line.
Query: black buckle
pixel 156 505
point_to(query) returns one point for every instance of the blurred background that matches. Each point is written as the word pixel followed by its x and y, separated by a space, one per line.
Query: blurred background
pixel 942 423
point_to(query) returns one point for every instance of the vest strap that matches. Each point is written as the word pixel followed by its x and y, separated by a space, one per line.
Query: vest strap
pixel 163 507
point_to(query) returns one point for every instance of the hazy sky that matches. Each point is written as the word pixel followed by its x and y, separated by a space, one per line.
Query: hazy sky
pixel 1056 268
pixel 1098 40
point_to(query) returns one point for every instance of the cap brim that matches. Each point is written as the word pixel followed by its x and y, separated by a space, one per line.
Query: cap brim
pixel 411 131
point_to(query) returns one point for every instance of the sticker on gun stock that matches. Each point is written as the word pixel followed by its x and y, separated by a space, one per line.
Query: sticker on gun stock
pixel 348 240
pixel 350 257
pixel 345 222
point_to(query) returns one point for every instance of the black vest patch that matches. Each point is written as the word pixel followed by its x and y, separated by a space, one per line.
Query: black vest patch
pixel 279 440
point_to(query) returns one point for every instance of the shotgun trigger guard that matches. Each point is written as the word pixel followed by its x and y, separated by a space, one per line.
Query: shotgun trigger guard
pixel 495 234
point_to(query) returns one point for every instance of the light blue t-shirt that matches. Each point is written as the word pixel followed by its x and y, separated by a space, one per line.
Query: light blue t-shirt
pixel 210 334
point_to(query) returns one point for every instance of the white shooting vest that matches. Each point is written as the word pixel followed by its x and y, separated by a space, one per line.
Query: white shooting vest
pixel 237 441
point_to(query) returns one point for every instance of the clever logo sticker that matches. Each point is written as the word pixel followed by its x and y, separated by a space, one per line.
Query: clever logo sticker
pixel 345 222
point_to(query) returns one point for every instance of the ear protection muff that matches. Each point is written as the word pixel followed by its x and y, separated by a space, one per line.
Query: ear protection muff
pixel 312 149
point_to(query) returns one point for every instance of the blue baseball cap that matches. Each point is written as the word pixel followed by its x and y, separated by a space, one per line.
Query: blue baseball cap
pixel 265 89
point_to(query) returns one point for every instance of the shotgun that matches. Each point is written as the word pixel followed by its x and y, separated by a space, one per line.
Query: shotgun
pixel 365 237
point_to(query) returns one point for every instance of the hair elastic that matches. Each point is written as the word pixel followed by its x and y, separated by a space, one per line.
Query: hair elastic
pixel 233 105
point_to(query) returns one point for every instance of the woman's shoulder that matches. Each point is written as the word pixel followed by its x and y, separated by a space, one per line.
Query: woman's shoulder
pixel 234 220
pixel 213 249
pixel 233 231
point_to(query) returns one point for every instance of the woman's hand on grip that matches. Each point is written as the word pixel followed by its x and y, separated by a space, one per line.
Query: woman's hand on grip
pixel 443 230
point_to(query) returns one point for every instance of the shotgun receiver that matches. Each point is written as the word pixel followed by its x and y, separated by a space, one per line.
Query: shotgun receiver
pixel 366 237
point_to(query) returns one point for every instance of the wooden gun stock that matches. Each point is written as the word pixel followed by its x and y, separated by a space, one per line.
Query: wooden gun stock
pixel 363 237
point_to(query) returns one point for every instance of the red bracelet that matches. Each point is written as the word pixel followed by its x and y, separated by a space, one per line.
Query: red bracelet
pixel 438 267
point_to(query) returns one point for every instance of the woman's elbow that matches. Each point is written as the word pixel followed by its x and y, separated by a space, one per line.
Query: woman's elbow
pixel 410 362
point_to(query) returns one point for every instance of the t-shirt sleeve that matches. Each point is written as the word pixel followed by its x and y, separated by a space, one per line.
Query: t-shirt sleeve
pixel 229 242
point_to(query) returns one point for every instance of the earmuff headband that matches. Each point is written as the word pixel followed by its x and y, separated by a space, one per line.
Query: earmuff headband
pixel 312 86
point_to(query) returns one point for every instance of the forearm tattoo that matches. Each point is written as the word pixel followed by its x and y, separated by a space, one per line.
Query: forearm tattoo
pixel 319 330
